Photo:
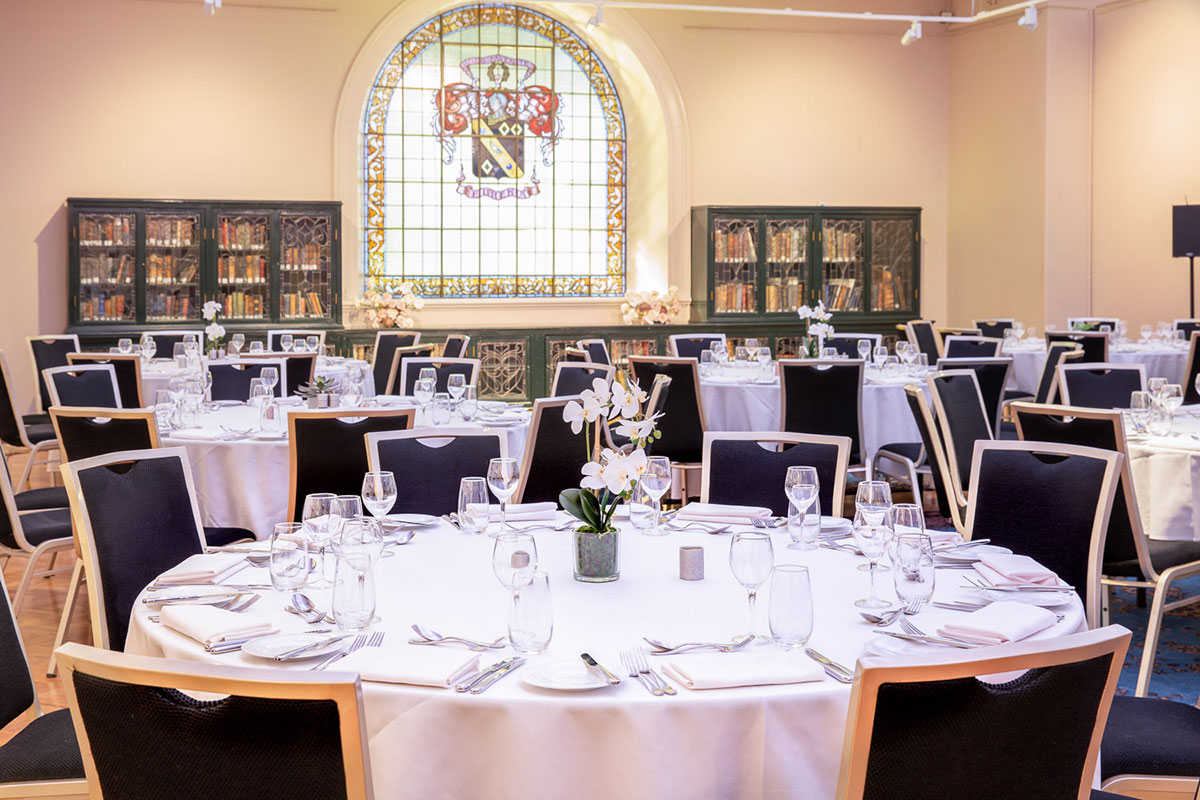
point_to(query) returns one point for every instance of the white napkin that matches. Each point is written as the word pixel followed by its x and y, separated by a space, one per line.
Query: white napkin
pixel 835 524
pixel 195 435
pixel 515 415
pixel 715 512
pixel 519 512
pixel 210 625
pixel 1005 569
pixel 203 568
pixel 419 665
pixel 723 670
pixel 944 538
pixel 1001 622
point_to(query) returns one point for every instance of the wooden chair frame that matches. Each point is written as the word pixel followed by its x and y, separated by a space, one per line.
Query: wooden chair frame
pixel 47 448
pixel 541 407
pixel 958 337
pixel 412 350
pixel 684 468
pixel 860 466
pixel 373 440
pixel 464 338
pixel 576 355
pixel 607 371
pixel 937 459
pixel 102 358
pixel 418 363
pixel 1063 370
pixel 780 438
pixel 673 339
pixel 582 344
pixel 950 330
pixel 343 688
pixel 958 364
pixel 910 333
pixel 1190 364
pixel 1077 337
pixel 943 665
pixel 37 375
pixel 978 323
pixel 955 488
pixel 381 334
pixel 71 369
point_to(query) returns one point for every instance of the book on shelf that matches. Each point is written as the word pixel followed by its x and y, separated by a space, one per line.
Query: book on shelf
pixel 842 294
pixel 839 244
pixel 734 245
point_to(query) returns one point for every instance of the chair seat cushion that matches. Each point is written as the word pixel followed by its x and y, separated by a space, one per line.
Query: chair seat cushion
pixel 39 433
pixel 36 419
pixel 45 750
pixel 909 450
pixel 1017 394
pixel 1008 431
pixel 1148 736
pixel 42 526
pixel 38 499
pixel 219 537
pixel 1163 555
pixel 1099 795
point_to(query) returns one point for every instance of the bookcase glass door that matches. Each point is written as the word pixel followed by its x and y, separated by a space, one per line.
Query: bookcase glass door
pixel 173 266
pixel 892 264
pixel 243 256
pixel 842 264
pixel 107 267
pixel 305 265
pixel 787 264
pixel 735 259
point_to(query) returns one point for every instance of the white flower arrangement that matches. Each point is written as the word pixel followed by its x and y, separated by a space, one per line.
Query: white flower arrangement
pixel 393 309
pixel 214 333
pixel 816 327
pixel 651 308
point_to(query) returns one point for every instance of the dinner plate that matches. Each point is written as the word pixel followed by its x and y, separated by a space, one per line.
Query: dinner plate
pixel 563 675
pixel 508 422
pixel 967 554
pixel 835 524
pixel 413 520
pixel 493 405
pixel 1044 599
pixel 270 646
pixel 879 645
pixel 263 436
pixel 228 403
pixel 206 594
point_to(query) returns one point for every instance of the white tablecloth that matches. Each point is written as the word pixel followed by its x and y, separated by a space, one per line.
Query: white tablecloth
pixel 1161 362
pixel 244 483
pixel 519 742
pixel 160 372
pixel 1166 479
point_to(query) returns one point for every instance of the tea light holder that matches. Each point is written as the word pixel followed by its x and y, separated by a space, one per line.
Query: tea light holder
pixel 691 563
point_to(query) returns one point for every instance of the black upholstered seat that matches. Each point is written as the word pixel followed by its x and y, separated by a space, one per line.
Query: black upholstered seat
pixel 824 398
pixel 554 454
pixel 681 425
pixel 48 353
pixel 41 526
pixel 962 418
pixel 428 469
pixel 742 471
pixel 39 499
pixel 44 750
pixel 36 419
pixel 913 451
pixel 1150 736
pixel 386 343
pixel 1101 386
pixel 219 537
pixel 39 433
pixel 992 374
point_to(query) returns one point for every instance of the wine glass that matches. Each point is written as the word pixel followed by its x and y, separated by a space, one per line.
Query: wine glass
pixel 751 343
pixel 751 559
pixel 125 346
pixel 236 343
pixel 1155 385
pixel 469 406
pixel 427 374
pixel 502 476
pixel 379 492
pixel 740 355
pixel 864 349
pixel 790 613
pixel 873 500
pixel 719 352
pixel 514 559
pixel 881 354
pixel 190 345
pixel 313 342
pixel 1146 332
pixel 872 534
pixel 148 346
pixel 656 480
pixel 319 524
pixel 256 347
pixel 285 342
pixel 456 384
pixel 914 574
pixel 1140 405
pixel 423 393
pixel 1171 398
pixel 801 485
pixel 270 378
pixel 351 395
pixel 764 357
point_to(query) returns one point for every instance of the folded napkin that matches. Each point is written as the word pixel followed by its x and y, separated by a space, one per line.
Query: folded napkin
pixel 203 568
pixel 196 435
pixel 211 625
pixel 715 512
pixel 1004 569
pixel 524 512
pixel 515 415
pixel 722 670
pixel 944 539
pixel 419 665
pixel 1001 622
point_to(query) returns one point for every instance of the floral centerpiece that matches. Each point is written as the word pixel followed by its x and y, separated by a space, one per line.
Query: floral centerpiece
pixel 610 477
pixel 214 333
pixel 816 328
pixel 651 308
pixel 390 309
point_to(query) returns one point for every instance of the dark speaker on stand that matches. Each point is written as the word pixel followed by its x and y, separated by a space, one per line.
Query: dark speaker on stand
pixel 1186 244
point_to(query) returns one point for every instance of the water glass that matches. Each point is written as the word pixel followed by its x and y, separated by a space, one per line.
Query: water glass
pixel 790 610
pixel 655 481
pixel 913 572
pixel 289 556
pixel 1155 385
pixel 707 363
pixel 256 347
pixel 1140 404
pixel 271 417
pixel 751 343
pixel 181 361
pixel 320 526
pixel 427 374
pixel 351 395
pixel 503 475
pixel 872 539
pixel 190 345
pixel 423 393
pixel 881 354
pixel 379 492
pixel 806 528
pixel 719 350
pixel 514 559
pixel 891 366
pixel 285 342
pixel 829 353
pixel 259 392
pixel 237 342
pixel 1146 331
pixel 864 349
pixel 801 485
pixel 456 384
pixel 751 559
pixel 177 351
pixel 741 355
pixel 125 346
pixel 906 518
pixel 1171 396
pixel 641 509
pixel 531 617
pixel 873 500
pixel 353 591
pixel 164 409
pixel 442 410
pixel 469 405
pixel 473 507
pixel 313 342
pixel 270 377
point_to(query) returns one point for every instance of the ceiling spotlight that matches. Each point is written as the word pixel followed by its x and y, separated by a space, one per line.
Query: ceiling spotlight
pixel 911 35
pixel 211 6
pixel 1028 20
pixel 597 20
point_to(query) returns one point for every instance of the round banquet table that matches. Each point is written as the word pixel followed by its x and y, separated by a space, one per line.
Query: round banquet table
pixel 1166 478
pixel 1161 361
pixel 159 373
pixel 243 483
pixel 515 741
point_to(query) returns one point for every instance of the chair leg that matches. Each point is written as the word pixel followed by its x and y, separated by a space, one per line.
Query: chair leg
pixel 53 560
pixel 68 610
pixel 871 468
pixel 1141 597
pixel 26 579
pixel 1106 601
pixel 1153 629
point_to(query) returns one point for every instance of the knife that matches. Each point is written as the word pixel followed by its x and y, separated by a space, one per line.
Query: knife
pixel 497 675
pixel 843 675
pixel 465 685
pixel 309 647
pixel 184 597
pixel 594 664
pixel 229 645
pixel 909 637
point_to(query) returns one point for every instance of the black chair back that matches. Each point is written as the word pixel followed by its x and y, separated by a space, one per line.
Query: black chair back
pixel 971 347
pixel 1093 324
pixel 129 382
pixel 232 381
pixel 554 454
pixel 962 418
pixel 597 351
pixel 410 371
pixel 83 437
pixel 428 469
pixel 1055 354
pixel 301 369
pixel 935 456
pixel 47 354
pixel 455 346
pixel 385 345
pixel 846 344
pixel 743 472
pixel 1095 347
pixel 86 387
pixel 164 343
pixel 1188 326
pixel 693 346
pixel 995 328
pixel 1190 393
pixel 1105 386
pixel 925 338
pixel 17 692
pixel 275 338
pixel 10 422
pixel 572 379
pixel 401 353
pixel 838 412
pixel 682 421
pixel 992 374
pixel 575 356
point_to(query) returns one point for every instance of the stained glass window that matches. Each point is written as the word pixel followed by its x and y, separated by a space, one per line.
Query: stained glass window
pixel 494 161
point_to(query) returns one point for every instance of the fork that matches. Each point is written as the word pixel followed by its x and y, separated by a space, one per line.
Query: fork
pixel 643 667
pixel 375 640
pixel 239 602
pixel 698 525
pixel 914 606
pixel 629 663
pixel 909 628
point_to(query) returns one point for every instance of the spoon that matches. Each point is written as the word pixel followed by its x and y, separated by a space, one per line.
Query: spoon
pixel 885 620
pixel 434 636
pixel 665 649
pixel 304 606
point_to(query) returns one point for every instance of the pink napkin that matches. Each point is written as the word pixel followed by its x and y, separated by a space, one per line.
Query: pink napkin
pixel 1001 622
pixel 714 512
pixel 1005 569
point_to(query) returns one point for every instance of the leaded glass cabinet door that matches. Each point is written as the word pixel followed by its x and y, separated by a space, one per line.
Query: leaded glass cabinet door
pixel 787 264
pixel 172 271
pixel 305 265
pixel 893 243
pixel 107 289
pixel 243 245
pixel 842 243
pixel 735 265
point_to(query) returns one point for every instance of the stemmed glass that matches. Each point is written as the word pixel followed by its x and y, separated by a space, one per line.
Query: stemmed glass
pixel 502 476
pixel 236 343
pixel 908 355
pixel 871 504
pixel 1146 332
pixel 379 492
pixel 864 349
pixel 125 346
pixel 719 351
pixel 270 378
pixel 319 523
pixel 423 393
pixel 801 485
pixel 764 361
pixel 285 342
pixel 148 346
pixel 656 480
pixel 190 345
pixel 881 354
pixel 313 342
pixel 751 559
pixel 872 534
pixel 1171 398
pixel 456 385
pixel 1155 385
pixel 469 406
pixel 514 559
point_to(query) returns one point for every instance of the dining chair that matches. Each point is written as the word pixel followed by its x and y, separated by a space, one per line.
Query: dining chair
pixel 994 328
pixel 42 759
pixel 275 337
pixel 327 452
pixel 231 379
pixel 1151 748
pixel 682 424
pixel 1131 559
pixel 926 457
pixel 1047 388
pixel 142 732
pixel 847 343
pixel 398 357
pixel 554 454
pixel 428 465
pixel 691 345
pixel 165 341
pixel 596 349
pixel 46 352
pixel 1094 344
pixel 962 420
pixel 386 343
pixel 18 435
pixel 958 346
pixel 824 397
pixel 456 345
pixel 992 373
pixel 574 378
pixel 30 534
pixel 921 333
pixel 1091 323
pixel 411 368
pixel 1093 385
pixel 128 371
pixel 1188 326
pixel 749 467
pixel 575 355
pixel 84 385
pixel 301 369
pixel 934 725
pixel 656 401
pixel 1048 501
pixel 1191 394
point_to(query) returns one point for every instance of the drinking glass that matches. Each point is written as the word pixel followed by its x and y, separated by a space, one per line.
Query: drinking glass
pixel 751 343
pixel 872 539
pixel 1155 385
pixel 1159 420
pixel 829 352
pixel 1146 332
pixel 469 406
pixel 1018 328
pixel 256 347
pixel 379 492
pixel 891 366
pixel 801 485
pixel 719 351
pixel 351 395
pixel 456 384
pixel 751 559
pixel 707 363
pixel 124 346
pixel 906 518
pixel 236 343
pixel 427 374
pixel 270 377
pixel 503 475
pixel 1171 396
pixel 741 355
pixel 641 508
pixel 313 343
pixel 259 393
pixel 764 357
pixel 514 559
pixel 320 526
pixel 881 354
pixel 790 611
pixel 148 346
pixel 1140 404
pixel 655 481
pixel 530 616
pixel 178 351
pixel 285 342
pixel 423 393
pixel 164 409
pixel 873 500
pixel 270 417
pixel 353 605
pixel 345 507
pixel 289 556
pixel 442 410
pixel 864 349
pixel 190 345
pixel 922 362
pixel 913 573
pixel 472 505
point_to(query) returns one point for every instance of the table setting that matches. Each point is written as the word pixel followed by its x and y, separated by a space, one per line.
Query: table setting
pixel 1163 353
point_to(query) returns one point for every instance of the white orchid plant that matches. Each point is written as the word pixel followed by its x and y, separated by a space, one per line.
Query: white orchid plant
pixel 816 327
pixel 612 476
pixel 214 333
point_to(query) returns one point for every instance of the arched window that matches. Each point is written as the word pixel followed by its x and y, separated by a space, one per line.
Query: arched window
pixel 494 161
